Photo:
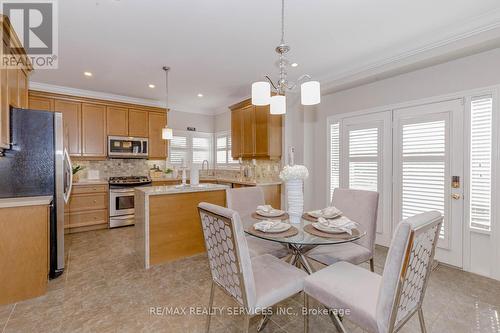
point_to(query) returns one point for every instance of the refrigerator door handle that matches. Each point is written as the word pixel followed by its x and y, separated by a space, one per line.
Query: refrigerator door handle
pixel 68 173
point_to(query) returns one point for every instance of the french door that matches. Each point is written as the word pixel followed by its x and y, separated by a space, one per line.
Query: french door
pixel 428 146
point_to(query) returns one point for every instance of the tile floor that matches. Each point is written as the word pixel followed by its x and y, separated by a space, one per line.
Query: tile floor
pixel 105 290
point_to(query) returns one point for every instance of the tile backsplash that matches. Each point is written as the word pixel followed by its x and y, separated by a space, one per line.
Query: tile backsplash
pixel 118 167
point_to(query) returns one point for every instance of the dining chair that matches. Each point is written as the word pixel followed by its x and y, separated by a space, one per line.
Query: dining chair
pixel 245 200
pixel 361 207
pixel 383 304
pixel 255 283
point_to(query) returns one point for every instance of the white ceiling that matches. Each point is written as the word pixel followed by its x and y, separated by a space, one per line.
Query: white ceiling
pixel 219 47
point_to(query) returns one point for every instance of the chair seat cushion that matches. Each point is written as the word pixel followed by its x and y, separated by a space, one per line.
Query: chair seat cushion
pixel 346 286
pixel 350 252
pixel 275 280
pixel 258 247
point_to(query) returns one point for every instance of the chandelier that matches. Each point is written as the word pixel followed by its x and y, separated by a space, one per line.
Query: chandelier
pixel 261 91
pixel 166 132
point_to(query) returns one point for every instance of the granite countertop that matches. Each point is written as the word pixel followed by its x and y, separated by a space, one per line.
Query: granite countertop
pixel 91 182
pixel 25 201
pixel 222 179
pixel 175 189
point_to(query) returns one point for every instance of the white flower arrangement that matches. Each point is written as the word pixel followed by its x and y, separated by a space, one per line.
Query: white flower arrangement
pixel 292 172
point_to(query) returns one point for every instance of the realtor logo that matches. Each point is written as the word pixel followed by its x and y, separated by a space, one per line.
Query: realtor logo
pixel 35 23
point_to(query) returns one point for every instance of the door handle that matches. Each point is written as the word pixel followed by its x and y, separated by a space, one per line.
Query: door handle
pixel 455 196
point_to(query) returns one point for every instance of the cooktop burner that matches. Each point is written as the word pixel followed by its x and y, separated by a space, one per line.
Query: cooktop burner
pixel 129 180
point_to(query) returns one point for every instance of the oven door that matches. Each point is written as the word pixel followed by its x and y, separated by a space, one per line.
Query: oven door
pixel 127 147
pixel 121 202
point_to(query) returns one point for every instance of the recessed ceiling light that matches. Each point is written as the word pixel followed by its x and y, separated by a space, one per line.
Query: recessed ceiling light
pixel 89 74
pixel 151 86
pixel 200 95
pixel 294 64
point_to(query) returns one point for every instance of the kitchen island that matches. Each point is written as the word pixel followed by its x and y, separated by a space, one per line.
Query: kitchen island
pixel 167 224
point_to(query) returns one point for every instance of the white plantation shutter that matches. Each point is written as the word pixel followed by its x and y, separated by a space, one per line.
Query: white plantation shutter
pixel 192 147
pixel 223 149
pixel 178 149
pixel 334 156
pixel 423 168
pixel 480 162
pixel 363 158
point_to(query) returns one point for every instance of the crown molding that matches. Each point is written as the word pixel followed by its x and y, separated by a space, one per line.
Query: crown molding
pixel 473 37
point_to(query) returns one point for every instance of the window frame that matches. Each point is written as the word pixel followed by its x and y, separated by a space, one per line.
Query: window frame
pixel 190 149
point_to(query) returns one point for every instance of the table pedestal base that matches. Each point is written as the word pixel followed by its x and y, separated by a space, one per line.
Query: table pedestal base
pixel 298 259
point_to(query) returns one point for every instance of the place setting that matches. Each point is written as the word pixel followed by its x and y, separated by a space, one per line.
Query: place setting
pixel 273 223
pixel 330 223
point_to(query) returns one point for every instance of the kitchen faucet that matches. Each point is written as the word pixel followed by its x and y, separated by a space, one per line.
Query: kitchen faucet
pixel 203 166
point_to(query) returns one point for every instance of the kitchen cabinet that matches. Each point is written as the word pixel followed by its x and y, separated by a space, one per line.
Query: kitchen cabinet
pixel 157 146
pixel 94 140
pixel 24 239
pixel 87 208
pixel 40 103
pixel 236 130
pixel 72 116
pixel 138 123
pixel 117 121
pixel 255 133
pixel 13 80
pixel 88 122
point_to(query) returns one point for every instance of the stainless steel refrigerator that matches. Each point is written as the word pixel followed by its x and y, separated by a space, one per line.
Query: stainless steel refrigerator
pixel 38 165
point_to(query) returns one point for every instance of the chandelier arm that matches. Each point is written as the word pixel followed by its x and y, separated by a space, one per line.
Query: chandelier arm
pixel 271 81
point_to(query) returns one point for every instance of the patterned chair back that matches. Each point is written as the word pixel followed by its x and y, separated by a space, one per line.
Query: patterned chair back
pixel 245 200
pixel 227 251
pixel 407 269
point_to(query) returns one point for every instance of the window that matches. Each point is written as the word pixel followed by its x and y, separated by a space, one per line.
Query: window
pixel 223 149
pixel 190 147
pixel 480 162
pixel 334 156
pixel 363 159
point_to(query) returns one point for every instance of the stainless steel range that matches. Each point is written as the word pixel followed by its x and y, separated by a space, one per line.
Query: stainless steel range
pixel 121 199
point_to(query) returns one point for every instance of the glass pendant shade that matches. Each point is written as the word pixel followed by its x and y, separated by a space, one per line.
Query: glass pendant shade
pixel 310 92
pixel 261 93
pixel 278 104
pixel 167 133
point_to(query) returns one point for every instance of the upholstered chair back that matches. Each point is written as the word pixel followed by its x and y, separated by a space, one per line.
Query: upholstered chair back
pixel 227 251
pixel 245 200
pixel 407 269
pixel 359 206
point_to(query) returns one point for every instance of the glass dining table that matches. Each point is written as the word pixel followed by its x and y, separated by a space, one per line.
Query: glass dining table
pixel 300 243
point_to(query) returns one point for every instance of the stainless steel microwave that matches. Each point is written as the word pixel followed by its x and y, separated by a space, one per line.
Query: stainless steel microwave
pixel 127 147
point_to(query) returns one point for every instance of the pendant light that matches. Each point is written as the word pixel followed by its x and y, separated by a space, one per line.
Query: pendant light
pixel 166 132
pixel 261 91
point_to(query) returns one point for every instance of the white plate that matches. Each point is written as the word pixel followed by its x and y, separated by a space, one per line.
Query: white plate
pixel 320 227
pixel 272 213
pixel 279 228
pixel 318 215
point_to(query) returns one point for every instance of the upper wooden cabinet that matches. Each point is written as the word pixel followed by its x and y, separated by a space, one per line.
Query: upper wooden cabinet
pixel 13 80
pixel 117 123
pixel 138 123
pixel 72 120
pixel 94 140
pixel 255 133
pixel 157 146
pixel 88 122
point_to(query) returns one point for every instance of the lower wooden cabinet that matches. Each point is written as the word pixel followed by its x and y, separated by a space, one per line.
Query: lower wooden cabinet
pixel 87 208
pixel 24 244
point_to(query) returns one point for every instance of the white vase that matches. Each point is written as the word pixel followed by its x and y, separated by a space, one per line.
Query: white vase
pixel 295 199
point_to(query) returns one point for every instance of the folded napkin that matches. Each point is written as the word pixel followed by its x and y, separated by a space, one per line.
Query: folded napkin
pixel 328 212
pixel 267 225
pixel 265 208
pixel 342 223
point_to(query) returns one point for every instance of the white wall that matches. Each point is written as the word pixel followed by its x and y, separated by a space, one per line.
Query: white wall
pixel 471 72
pixel 222 121
pixel 181 120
